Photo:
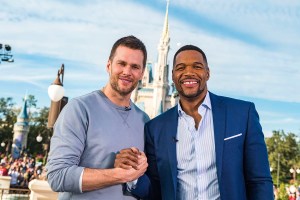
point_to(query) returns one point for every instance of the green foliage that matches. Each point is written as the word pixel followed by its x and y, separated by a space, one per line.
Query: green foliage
pixel 282 192
pixel 283 151
pixel 38 124
pixel 31 101
pixel 38 127
pixel 8 116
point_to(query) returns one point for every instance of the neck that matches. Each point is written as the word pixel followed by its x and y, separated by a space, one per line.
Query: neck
pixel 115 97
pixel 190 105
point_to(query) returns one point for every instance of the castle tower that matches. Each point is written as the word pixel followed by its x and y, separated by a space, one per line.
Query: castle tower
pixel 21 129
pixel 161 82
pixel 152 94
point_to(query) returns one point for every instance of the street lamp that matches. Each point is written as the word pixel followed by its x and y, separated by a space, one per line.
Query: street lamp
pixel 39 138
pixel 3 144
pixel 58 101
pixel 5 53
pixel 294 172
pixel 56 90
pixel 56 94
pixel 46 144
pixel 278 169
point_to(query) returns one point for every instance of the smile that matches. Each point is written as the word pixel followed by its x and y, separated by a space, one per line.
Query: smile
pixel 189 82
pixel 125 79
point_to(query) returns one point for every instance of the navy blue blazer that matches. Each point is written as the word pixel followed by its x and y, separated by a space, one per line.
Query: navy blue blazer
pixel 242 162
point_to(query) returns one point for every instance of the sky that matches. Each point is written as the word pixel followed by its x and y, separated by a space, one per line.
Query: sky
pixel 252 47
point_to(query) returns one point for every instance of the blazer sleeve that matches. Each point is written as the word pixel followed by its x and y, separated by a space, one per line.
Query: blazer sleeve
pixel 142 188
pixel 258 179
pixel 152 171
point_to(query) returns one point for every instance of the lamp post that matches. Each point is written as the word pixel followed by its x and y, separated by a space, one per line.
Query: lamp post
pixel 56 94
pixel 58 101
pixel 5 53
pixel 278 169
pixel 3 144
pixel 294 171
pixel 46 144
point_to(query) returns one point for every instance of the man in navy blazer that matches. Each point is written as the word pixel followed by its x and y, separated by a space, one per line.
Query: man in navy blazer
pixel 208 146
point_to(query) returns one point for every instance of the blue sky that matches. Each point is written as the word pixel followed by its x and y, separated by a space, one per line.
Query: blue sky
pixel 253 47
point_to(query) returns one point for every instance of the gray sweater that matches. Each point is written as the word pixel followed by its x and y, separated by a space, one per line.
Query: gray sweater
pixel 89 132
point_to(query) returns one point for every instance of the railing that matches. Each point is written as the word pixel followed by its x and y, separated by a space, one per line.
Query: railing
pixel 14 194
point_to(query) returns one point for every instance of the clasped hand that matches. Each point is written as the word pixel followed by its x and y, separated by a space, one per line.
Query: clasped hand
pixel 133 161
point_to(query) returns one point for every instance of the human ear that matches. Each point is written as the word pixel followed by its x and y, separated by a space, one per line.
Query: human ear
pixel 208 73
pixel 108 65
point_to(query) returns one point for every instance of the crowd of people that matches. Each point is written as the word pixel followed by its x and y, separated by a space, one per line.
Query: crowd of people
pixel 21 170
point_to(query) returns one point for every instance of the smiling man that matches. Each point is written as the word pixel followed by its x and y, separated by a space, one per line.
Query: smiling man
pixel 208 146
pixel 96 132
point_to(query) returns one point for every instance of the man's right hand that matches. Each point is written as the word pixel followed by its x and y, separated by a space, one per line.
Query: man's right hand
pixel 133 160
pixel 127 158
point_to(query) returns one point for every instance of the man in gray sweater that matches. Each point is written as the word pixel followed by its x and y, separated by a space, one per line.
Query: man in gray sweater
pixel 96 134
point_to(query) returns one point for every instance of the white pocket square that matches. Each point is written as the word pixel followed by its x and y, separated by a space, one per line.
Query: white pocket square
pixel 234 136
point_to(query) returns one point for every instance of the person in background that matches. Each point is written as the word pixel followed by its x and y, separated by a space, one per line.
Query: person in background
pixel 96 132
pixel 3 169
pixel 208 146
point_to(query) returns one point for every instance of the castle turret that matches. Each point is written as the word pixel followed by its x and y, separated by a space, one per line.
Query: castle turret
pixel 161 82
pixel 21 129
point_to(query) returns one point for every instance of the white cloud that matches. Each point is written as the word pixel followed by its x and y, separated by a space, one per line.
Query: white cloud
pixel 82 33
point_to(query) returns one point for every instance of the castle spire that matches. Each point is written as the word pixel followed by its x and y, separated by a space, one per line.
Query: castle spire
pixel 23 115
pixel 165 33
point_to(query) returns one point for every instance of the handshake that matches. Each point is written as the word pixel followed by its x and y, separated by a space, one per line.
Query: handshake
pixel 132 163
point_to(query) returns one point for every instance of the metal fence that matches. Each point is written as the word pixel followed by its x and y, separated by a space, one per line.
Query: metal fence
pixel 14 194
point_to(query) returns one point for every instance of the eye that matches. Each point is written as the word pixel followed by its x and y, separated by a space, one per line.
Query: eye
pixel 135 66
pixel 121 63
pixel 201 67
pixel 180 67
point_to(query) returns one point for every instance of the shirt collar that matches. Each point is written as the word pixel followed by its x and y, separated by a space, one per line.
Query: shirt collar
pixel 206 103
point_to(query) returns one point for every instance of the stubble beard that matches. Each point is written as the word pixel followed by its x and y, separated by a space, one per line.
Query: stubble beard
pixel 191 95
pixel 116 87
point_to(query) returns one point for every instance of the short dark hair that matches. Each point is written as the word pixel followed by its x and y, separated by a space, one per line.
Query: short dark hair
pixel 131 42
pixel 190 47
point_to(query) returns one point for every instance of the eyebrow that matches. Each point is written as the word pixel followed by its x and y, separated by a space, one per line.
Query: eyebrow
pixel 193 64
pixel 131 64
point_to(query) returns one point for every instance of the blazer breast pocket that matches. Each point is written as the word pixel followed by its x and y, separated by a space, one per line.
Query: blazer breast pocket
pixel 234 142
pixel 233 137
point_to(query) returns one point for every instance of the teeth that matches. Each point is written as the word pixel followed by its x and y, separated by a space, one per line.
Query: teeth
pixel 190 82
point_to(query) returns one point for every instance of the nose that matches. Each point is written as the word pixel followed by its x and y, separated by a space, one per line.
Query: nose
pixel 189 70
pixel 127 70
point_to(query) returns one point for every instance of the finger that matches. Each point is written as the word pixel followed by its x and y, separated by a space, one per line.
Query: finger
pixel 135 150
pixel 127 154
pixel 132 151
pixel 142 165
pixel 128 150
pixel 128 162
pixel 124 166
pixel 142 153
pixel 126 157
pixel 142 159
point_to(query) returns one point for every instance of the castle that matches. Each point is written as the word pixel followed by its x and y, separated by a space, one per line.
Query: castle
pixel 153 92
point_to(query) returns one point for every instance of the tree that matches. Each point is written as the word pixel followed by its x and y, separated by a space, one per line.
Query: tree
pixel 283 151
pixel 8 116
pixel 37 121
pixel 31 101
pixel 38 127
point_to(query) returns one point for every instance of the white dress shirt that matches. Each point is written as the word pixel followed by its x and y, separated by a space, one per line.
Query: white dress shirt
pixel 197 173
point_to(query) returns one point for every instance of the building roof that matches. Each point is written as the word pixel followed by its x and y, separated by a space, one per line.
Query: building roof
pixel 23 113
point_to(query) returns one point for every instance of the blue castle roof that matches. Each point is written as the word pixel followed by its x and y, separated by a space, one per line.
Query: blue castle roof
pixel 23 114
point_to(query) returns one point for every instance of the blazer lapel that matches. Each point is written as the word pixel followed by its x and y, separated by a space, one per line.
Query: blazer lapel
pixel 171 135
pixel 219 120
